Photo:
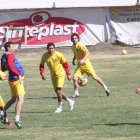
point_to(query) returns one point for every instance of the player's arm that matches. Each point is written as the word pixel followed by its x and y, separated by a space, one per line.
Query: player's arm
pixel 73 60
pixel 66 67
pixel 84 58
pixel 42 69
pixel 10 62
pixel 67 70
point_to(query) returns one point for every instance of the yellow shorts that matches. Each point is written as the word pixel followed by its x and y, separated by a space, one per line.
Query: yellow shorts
pixel 1 102
pixel 2 74
pixel 87 69
pixel 16 88
pixel 58 81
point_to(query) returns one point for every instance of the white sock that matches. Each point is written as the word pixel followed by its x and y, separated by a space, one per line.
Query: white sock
pixel 59 104
pixel 6 119
pixel 69 100
pixel 105 87
pixel 3 112
pixel 17 118
pixel 76 92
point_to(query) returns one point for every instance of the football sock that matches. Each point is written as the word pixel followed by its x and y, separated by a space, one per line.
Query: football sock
pixel 68 100
pixel 59 104
pixel 3 112
pixel 76 92
pixel 105 87
pixel 17 118
pixel 6 120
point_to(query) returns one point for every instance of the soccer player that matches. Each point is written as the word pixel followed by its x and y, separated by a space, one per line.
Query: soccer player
pixel 16 74
pixel 57 65
pixel 5 121
pixel 83 65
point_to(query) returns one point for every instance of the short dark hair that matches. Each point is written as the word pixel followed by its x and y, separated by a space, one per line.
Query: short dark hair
pixel 75 34
pixel 7 44
pixel 50 44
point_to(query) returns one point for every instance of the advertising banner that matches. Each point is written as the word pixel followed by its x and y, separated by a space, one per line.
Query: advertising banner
pixel 126 24
pixel 38 28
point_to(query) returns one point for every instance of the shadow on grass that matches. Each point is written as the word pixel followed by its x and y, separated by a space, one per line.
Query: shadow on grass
pixel 3 128
pixel 86 96
pixel 47 126
pixel 28 112
pixel 41 98
pixel 118 124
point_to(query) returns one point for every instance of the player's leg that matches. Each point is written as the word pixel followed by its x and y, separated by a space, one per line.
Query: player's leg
pixel 71 102
pixel 1 108
pixel 20 100
pixel 8 104
pixel 90 72
pixel 17 90
pixel 61 95
pixel 77 74
pixel 100 81
pixel 4 118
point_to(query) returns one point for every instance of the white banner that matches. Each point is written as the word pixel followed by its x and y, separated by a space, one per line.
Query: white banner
pixel 125 24
pixel 94 25
pixel 53 26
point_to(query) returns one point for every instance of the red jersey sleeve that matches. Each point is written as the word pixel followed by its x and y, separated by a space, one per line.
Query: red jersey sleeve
pixel 41 67
pixel 10 62
pixel 67 68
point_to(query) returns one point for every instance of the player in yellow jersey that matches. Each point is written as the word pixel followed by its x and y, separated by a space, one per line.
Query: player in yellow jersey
pixel 57 65
pixel 83 65
pixel 5 120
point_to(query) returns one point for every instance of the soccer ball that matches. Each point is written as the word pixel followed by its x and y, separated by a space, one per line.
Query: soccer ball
pixel 124 52
pixel 82 81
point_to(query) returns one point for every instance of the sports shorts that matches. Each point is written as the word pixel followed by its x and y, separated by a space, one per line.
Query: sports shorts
pixel 16 88
pixel 85 68
pixel 58 81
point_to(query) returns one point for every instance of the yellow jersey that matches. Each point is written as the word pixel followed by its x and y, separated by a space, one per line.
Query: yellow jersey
pixel 79 51
pixel 54 63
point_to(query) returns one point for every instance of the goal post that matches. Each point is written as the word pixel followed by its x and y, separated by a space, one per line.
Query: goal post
pixel 24 28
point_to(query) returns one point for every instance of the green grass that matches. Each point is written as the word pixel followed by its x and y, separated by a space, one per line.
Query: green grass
pixel 95 116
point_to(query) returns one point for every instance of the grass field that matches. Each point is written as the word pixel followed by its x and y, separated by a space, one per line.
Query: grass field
pixel 95 116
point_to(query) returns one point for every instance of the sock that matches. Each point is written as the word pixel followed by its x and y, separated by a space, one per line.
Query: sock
pixel 105 87
pixel 3 112
pixel 59 104
pixel 69 100
pixel 76 92
pixel 17 118
pixel 6 120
